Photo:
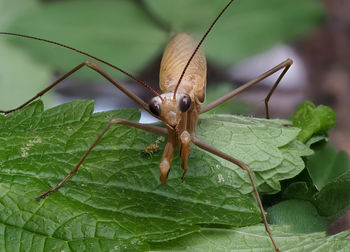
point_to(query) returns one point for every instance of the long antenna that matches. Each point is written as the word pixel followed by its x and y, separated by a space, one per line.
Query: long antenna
pixel 199 44
pixel 86 54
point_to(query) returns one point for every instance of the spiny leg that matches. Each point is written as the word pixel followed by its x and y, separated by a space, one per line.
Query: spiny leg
pixel 150 128
pixel 285 65
pixel 245 167
pixel 94 67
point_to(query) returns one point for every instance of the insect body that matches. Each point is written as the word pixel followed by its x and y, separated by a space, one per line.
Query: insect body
pixel 150 149
pixel 183 83
pixel 179 111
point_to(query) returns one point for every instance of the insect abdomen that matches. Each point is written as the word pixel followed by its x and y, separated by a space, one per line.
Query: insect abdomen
pixel 175 57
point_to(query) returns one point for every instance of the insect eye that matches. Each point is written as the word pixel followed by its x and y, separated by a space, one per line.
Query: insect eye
pixel 155 108
pixel 185 103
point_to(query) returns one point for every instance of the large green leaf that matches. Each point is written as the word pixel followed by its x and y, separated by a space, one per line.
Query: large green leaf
pixel 250 239
pixel 116 198
pixel 248 26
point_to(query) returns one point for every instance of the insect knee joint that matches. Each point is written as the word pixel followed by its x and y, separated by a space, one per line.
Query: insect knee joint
pixel 90 64
pixel 164 170
pixel 116 121
pixel 245 167
pixel 185 137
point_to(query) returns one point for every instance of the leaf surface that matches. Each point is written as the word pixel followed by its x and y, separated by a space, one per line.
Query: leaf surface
pixel 267 146
pixel 326 165
pixel 312 120
pixel 251 239
pixel 116 196
pixel 300 215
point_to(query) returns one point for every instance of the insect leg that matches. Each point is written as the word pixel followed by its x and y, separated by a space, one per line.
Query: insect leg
pixel 94 67
pixel 168 152
pixel 151 128
pixel 185 140
pixel 245 167
pixel 285 65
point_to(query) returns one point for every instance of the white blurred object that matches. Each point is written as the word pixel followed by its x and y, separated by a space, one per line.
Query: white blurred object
pixel 250 68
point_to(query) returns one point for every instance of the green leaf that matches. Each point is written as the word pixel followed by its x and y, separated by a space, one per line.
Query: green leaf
pixel 248 26
pixel 334 199
pixel 116 198
pixel 251 239
pixel 312 120
pixel 326 165
pixel 299 190
pixel 267 146
pixel 325 183
pixel 300 215
pixel 116 31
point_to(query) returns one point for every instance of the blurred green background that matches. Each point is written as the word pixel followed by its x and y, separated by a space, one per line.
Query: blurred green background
pixel 132 34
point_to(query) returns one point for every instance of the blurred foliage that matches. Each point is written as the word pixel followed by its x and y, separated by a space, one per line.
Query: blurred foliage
pixel 132 34
pixel 232 106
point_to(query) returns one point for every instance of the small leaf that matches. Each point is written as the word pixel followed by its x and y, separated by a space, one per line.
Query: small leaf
pixel 312 119
pixel 334 199
pixel 326 165
pixel 299 190
pixel 267 146
pixel 316 139
pixel 301 216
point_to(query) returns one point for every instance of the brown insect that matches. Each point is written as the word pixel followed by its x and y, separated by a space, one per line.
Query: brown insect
pixel 183 85
pixel 150 149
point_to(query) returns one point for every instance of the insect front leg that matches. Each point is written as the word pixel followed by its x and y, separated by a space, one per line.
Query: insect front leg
pixel 245 167
pixel 285 65
pixel 94 67
pixel 150 128
pixel 185 140
pixel 168 152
